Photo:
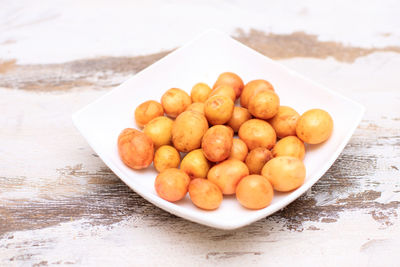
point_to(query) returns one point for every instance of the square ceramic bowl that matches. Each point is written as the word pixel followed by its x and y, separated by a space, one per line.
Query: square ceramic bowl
pixel 202 60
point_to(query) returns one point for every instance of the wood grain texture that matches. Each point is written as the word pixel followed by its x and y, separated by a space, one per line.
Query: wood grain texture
pixel 60 205
pixel 107 72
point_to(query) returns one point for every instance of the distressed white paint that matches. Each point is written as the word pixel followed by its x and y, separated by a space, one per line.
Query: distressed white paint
pixel 346 243
pixel 62 30
pixel 37 137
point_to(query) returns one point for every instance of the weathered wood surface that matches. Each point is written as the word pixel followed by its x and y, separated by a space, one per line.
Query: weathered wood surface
pixel 60 205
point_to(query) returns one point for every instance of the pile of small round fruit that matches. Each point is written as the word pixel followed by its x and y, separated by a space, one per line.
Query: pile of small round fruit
pixel 203 125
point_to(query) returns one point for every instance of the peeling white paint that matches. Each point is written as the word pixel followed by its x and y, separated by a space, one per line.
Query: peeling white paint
pixel 58 31
pixel 39 146
pixel 344 243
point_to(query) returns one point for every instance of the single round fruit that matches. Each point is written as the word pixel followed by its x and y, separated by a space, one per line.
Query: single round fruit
pixel 239 150
pixel 257 158
pixel 175 101
pixel 195 164
pixel 204 194
pixel 218 109
pixel 252 88
pixel 239 116
pixel 285 173
pixel 166 157
pixel 172 184
pixel 147 111
pixel 159 130
pixel 285 121
pixel 135 149
pixel 188 130
pixel 231 79
pixel 224 90
pixel 254 192
pixel 264 105
pixel 227 175
pixel 314 126
pixel 197 106
pixel 217 143
pixel 289 146
pixel 200 92
pixel 257 133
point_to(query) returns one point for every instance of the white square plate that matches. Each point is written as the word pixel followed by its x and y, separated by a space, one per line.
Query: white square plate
pixel 202 60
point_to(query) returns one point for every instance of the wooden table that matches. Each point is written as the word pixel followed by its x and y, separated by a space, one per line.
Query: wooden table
pixel 59 203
